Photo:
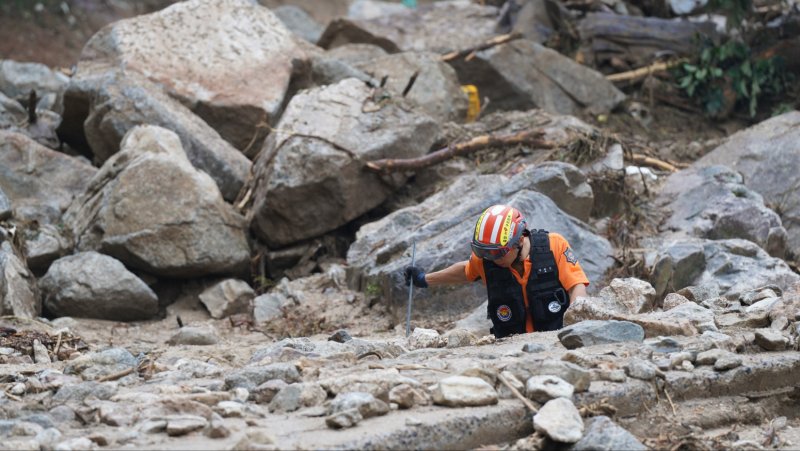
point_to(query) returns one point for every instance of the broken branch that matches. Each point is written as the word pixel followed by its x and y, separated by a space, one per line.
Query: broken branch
pixel 115 376
pixel 495 41
pixel 654 162
pixel 642 72
pixel 516 393
pixel 533 137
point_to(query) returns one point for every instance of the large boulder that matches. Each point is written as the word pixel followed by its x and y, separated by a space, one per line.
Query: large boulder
pixel 768 156
pixel 92 285
pixel 151 209
pixel 522 74
pixel 310 176
pixel 429 29
pixel 713 202
pixel 735 265
pixel 435 89
pixel 102 104
pixel 39 182
pixel 229 61
pixel 19 295
pixel 442 228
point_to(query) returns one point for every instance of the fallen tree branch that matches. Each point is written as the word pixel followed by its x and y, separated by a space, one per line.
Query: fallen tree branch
pixel 533 137
pixel 495 41
pixel 115 376
pixel 642 72
pixel 516 393
pixel 654 162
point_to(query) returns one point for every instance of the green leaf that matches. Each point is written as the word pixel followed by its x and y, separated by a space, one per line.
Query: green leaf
pixel 689 68
pixel 746 69
pixel 701 74
pixel 685 81
pixel 716 72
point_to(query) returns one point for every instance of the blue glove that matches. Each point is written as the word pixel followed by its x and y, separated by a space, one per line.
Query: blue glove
pixel 417 275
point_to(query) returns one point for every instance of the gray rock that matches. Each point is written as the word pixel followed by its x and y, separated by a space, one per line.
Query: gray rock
pixel 766 155
pixel 673 300
pixel 44 193
pixel 406 396
pixel 197 59
pixel 580 378
pixel 62 413
pixel 195 335
pixel 713 202
pixel 5 206
pixel 264 393
pixel 641 369
pixel 296 396
pixel 138 101
pixel 299 22
pixel 631 295
pixel 343 420
pixel 602 434
pixel 557 84
pixel 92 285
pixel 677 265
pixel 366 404
pixel 424 338
pixel 428 29
pixel 532 348
pixel 251 377
pixel 18 79
pixel 460 391
pixel 771 340
pixel 227 297
pixel 544 388
pixel 711 356
pixel 560 421
pixel 340 336
pixel 183 424
pixel 700 294
pixel 436 89
pixel 458 338
pixel 295 167
pixel 19 294
pixel 565 184
pixel 152 210
pixel 727 362
pixel 79 392
pixel 44 245
pixel 588 333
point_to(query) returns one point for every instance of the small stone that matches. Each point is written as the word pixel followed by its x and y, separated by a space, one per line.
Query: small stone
pixel 424 338
pixel 343 420
pixel 411 421
pixel 532 348
pixel 40 354
pixel 458 338
pixel 711 356
pixel 727 362
pixel 184 424
pixel 544 388
pixel 264 393
pixel 98 438
pixel 406 396
pixel 459 391
pixel 152 426
pixel 229 409
pixel 240 394
pixel 195 336
pixel 18 389
pixel 81 443
pixel 503 391
pixel 771 340
pixel 641 369
pixel 340 336
pixel 560 420
pixel 687 365
pixel 368 406
pixel 254 439
pixel 676 359
pixel 216 428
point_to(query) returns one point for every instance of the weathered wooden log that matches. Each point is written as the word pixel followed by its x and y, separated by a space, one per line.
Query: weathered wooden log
pixel 637 40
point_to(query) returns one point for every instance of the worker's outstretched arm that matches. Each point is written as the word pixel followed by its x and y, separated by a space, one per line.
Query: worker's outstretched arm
pixel 578 289
pixel 453 274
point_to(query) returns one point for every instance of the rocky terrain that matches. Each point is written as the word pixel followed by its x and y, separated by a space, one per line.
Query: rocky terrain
pixel 205 208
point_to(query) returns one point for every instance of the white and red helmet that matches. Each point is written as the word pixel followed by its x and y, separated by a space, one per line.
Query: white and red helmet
pixel 498 231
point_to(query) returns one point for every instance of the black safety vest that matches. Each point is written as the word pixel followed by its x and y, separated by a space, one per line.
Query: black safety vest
pixel 547 299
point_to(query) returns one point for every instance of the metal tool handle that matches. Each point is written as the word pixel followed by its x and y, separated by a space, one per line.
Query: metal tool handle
pixel 410 290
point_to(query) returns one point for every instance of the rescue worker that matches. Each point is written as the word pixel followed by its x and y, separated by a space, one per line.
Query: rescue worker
pixel 531 277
